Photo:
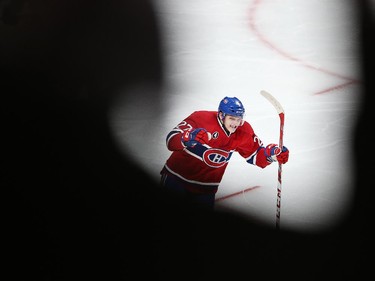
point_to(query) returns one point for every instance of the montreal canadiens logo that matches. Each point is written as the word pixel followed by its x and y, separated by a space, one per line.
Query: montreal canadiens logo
pixel 215 158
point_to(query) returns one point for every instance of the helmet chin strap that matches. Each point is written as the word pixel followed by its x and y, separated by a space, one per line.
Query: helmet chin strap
pixel 221 116
pixel 221 120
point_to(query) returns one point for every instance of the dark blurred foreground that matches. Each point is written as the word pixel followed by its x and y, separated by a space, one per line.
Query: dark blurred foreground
pixel 76 209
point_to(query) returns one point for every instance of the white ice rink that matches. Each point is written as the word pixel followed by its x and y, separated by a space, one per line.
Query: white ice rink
pixel 305 53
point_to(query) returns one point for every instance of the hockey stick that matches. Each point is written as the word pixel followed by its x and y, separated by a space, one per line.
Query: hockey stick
pixel 281 113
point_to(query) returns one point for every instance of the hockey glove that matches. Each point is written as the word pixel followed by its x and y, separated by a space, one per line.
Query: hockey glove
pixel 191 137
pixel 274 153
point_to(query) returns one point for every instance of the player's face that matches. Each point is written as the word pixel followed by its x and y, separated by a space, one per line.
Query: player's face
pixel 231 123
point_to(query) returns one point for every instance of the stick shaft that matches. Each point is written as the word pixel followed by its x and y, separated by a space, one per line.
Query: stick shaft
pixel 281 113
pixel 279 173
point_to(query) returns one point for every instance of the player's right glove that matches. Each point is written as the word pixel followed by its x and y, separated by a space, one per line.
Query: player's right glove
pixel 191 137
pixel 274 153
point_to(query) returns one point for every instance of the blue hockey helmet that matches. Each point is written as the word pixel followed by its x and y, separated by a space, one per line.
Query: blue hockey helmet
pixel 232 106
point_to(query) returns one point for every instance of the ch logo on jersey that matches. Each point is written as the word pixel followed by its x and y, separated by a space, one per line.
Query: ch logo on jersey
pixel 216 158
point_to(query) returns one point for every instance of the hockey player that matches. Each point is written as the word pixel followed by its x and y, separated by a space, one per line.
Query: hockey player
pixel 202 145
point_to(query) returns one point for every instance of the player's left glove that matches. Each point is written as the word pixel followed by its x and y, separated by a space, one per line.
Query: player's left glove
pixel 274 153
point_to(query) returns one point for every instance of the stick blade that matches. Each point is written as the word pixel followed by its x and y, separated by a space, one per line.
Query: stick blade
pixel 273 101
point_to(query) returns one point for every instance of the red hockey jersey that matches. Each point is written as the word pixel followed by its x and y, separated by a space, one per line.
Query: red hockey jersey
pixel 205 164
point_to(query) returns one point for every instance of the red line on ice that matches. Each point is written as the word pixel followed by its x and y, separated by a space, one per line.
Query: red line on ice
pixel 237 193
pixel 272 46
